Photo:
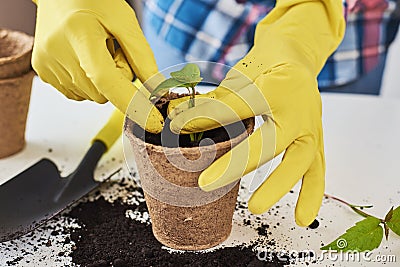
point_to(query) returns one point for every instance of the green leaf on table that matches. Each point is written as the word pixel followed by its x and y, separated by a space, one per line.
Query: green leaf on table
pixel 164 86
pixel 394 222
pixel 365 235
pixel 389 215
pixel 189 74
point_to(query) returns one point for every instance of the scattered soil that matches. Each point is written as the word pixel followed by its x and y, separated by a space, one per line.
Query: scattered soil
pixel 217 135
pixel 109 238
pixel 96 232
pixel 314 224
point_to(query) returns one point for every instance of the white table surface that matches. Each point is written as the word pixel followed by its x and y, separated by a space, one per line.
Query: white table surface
pixel 361 142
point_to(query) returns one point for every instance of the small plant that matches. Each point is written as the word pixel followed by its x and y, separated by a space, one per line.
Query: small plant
pixel 188 77
pixel 367 234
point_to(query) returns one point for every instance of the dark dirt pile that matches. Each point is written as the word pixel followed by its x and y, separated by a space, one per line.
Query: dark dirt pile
pixel 108 238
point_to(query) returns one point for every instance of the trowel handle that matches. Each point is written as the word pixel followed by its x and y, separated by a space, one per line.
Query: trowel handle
pixel 111 130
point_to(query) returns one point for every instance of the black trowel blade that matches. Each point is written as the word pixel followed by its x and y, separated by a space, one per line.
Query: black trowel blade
pixel 38 193
pixel 31 198
pixel 26 200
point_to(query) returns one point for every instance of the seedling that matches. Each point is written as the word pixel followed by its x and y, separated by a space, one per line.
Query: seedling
pixel 188 77
pixel 367 234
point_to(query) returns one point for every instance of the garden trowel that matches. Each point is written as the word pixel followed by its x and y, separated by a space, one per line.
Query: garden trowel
pixel 38 193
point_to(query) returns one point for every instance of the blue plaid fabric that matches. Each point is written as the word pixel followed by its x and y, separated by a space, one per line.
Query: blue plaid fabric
pixel 223 31
pixel 369 32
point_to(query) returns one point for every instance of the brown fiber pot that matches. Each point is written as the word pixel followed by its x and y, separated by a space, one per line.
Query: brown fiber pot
pixel 183 216
pixel 15 53
pixel 15 89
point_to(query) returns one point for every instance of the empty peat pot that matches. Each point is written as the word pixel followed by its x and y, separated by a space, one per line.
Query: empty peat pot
pixel 15 89
pixel 183 216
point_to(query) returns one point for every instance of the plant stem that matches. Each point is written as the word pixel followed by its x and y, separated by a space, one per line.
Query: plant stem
pixel 194 137
pixel 354 207
pixel 193 97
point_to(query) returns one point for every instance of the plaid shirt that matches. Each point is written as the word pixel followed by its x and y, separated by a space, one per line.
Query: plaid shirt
pixel 223 31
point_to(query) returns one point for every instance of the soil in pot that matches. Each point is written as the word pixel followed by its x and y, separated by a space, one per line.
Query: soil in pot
pixel 183 216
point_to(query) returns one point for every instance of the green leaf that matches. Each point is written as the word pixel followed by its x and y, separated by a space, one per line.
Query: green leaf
pixel 389 215
pixel 163 87
pixel 189 74
pixel 359 212
pixel 365 235
pixel 394 222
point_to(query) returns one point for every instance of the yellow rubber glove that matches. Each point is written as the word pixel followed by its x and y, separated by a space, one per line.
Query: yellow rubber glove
pixel 276 79
pixel 74 52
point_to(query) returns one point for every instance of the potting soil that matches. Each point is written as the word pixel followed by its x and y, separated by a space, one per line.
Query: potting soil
pixel 109 238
